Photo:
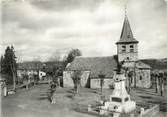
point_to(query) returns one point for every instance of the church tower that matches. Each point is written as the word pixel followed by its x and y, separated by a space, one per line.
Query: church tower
pixel 127 46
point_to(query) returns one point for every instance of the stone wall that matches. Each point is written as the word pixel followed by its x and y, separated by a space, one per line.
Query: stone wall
pixel 143 78
pixel 133 56
pixel 95 83
pixel 68 82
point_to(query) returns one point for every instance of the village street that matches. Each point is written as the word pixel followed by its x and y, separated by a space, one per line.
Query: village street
pixel 35 102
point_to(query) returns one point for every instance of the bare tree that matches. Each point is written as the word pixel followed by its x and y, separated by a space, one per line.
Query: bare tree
pixel 101 76
pixel 161 76
pixel 130 75
pixel 76 77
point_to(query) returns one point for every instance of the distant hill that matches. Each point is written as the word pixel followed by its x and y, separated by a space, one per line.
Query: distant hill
pixel 160 64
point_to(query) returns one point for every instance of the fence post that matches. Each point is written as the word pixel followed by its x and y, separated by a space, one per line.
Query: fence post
pixel 132 115
pixel 116 114
pixel 141 112
pixel 5 91
pixel 89 108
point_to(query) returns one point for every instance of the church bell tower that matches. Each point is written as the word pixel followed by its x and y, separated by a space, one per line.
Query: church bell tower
pixel 127 46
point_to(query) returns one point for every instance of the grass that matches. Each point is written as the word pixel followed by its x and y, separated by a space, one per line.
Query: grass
pixel 37 101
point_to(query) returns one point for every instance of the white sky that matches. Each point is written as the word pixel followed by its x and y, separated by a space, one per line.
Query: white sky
pixel 44 30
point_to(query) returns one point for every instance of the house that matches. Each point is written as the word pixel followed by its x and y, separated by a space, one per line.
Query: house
pixel 43 70
pixel 28 68
pixel 127 52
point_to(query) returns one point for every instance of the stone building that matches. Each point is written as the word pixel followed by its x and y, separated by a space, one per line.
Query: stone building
pixel 91 67
pixel 127 51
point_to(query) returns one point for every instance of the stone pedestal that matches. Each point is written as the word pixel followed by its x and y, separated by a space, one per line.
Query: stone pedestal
pixel 120 101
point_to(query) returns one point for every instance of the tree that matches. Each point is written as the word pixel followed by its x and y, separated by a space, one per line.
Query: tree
pixel 155 74
pixel 9 64
pixel 2 64
pixel 72 54
pixel 101 76
pixel 130 75
pixel 76 77
pixel 161 77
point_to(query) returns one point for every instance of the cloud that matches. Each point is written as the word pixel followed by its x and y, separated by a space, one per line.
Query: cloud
pixel 44 29
pixel 66 5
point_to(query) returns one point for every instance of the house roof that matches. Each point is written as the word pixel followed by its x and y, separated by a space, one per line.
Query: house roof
pixel 97 65
pixel 126 34
pixel 33 65
pixel 37 65
pixel 141 65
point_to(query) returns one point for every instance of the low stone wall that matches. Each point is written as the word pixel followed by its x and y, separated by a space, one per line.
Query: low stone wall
pixel 151 112
pixel 95 83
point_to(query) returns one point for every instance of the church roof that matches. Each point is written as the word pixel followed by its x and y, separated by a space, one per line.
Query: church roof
pixel 95 65
pixel 138 64
pixel 126 34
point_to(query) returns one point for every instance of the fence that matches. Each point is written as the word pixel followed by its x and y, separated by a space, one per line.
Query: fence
pixel 151 112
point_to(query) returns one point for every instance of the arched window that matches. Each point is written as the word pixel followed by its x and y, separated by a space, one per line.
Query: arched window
pixel 131 48
pixel 123 48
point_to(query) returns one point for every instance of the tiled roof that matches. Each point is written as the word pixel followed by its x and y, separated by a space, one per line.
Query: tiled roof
pixel 138 64
pixel 33 65
pixel 37 65
pixel 126 34
pixel 96 65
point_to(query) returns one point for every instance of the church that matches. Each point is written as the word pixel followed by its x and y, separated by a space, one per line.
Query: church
pixel 92 67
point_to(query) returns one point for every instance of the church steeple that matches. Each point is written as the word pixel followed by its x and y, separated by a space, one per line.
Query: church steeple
pixel 126 34
pixel 127 48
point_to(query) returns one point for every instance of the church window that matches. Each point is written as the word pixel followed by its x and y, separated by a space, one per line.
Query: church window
pixel 131 48
pixel 131 80
pixel 126 99
pixel 123 48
